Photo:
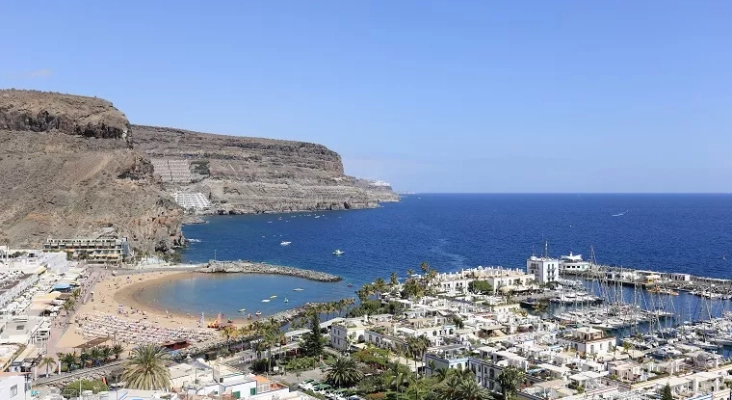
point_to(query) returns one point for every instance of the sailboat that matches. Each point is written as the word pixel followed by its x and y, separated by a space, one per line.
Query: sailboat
pixel 338 252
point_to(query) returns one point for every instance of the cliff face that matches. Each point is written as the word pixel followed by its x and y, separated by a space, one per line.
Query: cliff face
pixel 67 170
pixel 33 111
pixel 245 175
pixel 73 166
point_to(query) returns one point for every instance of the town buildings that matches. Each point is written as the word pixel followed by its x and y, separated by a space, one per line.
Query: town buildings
pixel 94 251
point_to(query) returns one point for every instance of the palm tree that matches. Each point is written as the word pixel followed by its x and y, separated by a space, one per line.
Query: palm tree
pixel 393 280
pixel 509 379
pixel 344 372
pixel 106 353
pixel 468 389
pixel 117 350
pixel 95 355
pixel 68 306
pixel 47 362
pixel 146 369
pixel 417 389
pixel 397 380
pixel 70 360
pixel 448 389
pixel 441 374
pixel 228 332
pixel 379 286
pixel 83 358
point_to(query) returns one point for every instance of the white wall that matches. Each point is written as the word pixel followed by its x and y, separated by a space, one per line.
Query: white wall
pixel 10 385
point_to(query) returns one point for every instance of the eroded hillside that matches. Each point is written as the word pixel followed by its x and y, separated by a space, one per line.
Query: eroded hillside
pixel 244 175
pixel 67 170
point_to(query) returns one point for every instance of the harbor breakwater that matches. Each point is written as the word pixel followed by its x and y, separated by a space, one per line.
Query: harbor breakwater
pixel 249 267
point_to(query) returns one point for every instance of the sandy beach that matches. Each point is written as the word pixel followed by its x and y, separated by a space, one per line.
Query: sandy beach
pixel 116 300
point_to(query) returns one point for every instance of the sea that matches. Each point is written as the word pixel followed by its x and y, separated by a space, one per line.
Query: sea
pixel 687 233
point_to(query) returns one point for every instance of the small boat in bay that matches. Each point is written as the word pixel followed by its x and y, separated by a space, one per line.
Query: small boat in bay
pixel 273 297
pixel 286 300
pixel 298 289
pixel 338 252
pixel 285 243
pixel 265 301
pixel 242 310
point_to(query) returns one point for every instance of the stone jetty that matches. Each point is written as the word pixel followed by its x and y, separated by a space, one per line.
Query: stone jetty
pixel 249 267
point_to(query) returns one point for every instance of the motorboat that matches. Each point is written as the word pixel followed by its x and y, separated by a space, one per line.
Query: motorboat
pixel 338 252
pixel 273 297
pixel 285 243
pixel 265 301
pixel 298 289
pixel 242 310
pixel 286 300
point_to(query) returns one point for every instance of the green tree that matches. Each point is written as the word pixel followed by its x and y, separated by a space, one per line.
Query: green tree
pixel 393 280
pixel 468 389
pixel 146 369
pixel 509 379
pixel 47 362
pixel 379 286
pixel 313 340
pixel 95 356
pixel 106 353
pixel 117 350
pixel 72 389
pixel 70 360
pixel 344 373
pixel 480 287
pixel 666 393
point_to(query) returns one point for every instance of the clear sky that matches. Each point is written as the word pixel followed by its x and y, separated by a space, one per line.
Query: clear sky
pixel 432 96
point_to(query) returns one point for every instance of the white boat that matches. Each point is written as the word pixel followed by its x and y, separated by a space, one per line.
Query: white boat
pixel 265 301
pixel 273 297
pixel 285 243
pixel 298 289
pixel 338 252
pixel 242 310
pixel 286 300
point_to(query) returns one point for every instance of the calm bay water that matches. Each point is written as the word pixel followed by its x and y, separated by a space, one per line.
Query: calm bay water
pixel 683 233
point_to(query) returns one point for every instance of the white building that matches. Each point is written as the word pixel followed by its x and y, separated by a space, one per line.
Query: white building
pixel 588 341
pixel 12 386
pixel 13 284
pixel 544 269
pixel 497 277
pixel 346 333
pixel 573 263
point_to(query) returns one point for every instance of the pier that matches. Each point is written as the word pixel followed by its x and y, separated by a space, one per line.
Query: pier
pixel 249 267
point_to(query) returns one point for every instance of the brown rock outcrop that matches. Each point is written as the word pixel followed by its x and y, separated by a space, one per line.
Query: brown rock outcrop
pixel 66 170
pixel 34 111
pixel 250 175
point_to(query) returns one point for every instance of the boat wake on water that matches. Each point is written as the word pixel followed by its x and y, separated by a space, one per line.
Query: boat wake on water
pixel 620 214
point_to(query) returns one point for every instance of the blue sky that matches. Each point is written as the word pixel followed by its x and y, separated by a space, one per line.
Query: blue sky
pixel 443 96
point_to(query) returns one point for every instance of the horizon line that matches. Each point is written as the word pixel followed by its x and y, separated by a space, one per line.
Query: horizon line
pixel 569 193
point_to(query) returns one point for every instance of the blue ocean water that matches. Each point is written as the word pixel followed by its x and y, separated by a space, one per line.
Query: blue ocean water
pixel 228 294
pixel 669 232
pixel 675 232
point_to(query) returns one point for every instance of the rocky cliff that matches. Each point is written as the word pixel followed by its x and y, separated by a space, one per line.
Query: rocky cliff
pixel 67 170
pixel 73 166
pixel 246 175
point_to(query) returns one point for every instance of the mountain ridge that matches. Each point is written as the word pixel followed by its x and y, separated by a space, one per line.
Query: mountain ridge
pixel 74 166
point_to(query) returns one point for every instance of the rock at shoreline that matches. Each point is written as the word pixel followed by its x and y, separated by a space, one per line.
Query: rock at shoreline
pixel 247 267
